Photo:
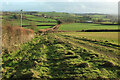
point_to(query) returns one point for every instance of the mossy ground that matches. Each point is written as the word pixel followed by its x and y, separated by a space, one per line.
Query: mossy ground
pixel 53 56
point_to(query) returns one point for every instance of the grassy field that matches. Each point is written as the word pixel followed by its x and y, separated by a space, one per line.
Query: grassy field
pixel 54 14
pixel 30 16
pixel 45 23
pixel 26 22
pixel 11 21
pixel 105 36
pixel 41 19
pixel 85 26
pixel 44 27
pixel 98 16
pixel 59 56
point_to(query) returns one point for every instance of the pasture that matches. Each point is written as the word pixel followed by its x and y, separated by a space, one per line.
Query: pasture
pixel 86 26
pixel 44 27
pixel 30 16
pixel 105 36
pixel 98 16
pixel 28 21
pixel 41 19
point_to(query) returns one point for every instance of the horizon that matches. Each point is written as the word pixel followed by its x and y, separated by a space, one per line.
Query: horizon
pixel 69 7
pixel 61 12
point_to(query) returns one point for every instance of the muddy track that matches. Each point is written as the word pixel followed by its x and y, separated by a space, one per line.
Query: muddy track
pixel 53 29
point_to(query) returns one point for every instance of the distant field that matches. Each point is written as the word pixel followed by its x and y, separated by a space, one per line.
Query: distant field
pixel 45 23
pixel 40 27
pixel 54 14
pixel 41 19
pixel 35 18
pixel 108 22
pixel 109 36
pixel 37 23
pixel 29 21
pixel 44 27
pixel 98 16
pixel 29 16
pixel 0 17
pixel 85 26
pixel 26 22
pixel 103 17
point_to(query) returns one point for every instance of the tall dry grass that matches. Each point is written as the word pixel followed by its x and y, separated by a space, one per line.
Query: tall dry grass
pixel 12 37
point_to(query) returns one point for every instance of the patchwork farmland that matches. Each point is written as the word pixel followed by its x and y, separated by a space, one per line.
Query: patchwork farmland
pixel 61 49
pixel 87 26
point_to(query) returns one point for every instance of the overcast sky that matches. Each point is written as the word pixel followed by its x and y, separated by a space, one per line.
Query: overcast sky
pixel 71 6
pixel 60 0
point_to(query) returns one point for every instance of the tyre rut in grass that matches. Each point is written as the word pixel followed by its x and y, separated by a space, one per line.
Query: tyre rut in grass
pixel 108 51
pixel 51 56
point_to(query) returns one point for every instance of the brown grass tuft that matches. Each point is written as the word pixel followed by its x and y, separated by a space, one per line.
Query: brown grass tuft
pixel 13 36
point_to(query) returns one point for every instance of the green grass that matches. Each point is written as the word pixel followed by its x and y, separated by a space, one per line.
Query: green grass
pixel 41 19
pixel 17 22
pixel 30 16
pixel 98 16
pixel 78 55
pixel 26 22
pixel 54 14
pixel 108 23
pixel 105 36
pixel 53 56
pixel 39 27
pixel 39 23
pixel 85 26
pixel 44 27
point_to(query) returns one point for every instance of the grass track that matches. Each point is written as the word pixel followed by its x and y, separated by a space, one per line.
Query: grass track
pixel 107 51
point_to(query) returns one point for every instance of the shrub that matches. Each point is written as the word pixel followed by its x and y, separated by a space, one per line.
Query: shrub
pixel 13 36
